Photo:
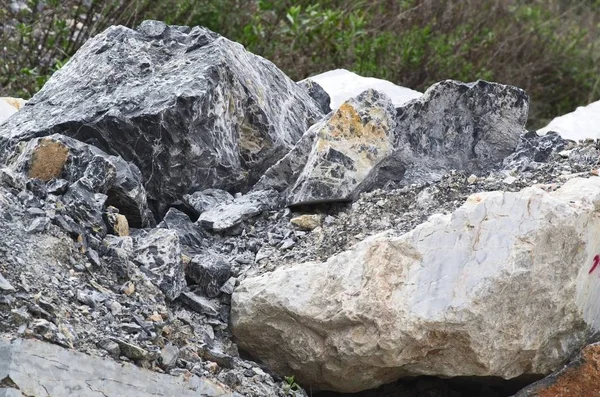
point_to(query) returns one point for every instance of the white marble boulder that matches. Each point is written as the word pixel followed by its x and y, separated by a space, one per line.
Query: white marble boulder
pixel 506 285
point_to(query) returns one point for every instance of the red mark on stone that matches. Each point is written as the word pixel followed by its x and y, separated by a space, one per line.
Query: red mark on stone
pixel 595 265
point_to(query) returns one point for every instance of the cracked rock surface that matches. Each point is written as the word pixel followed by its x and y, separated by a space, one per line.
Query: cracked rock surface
pixel 191 109
pixel 33 368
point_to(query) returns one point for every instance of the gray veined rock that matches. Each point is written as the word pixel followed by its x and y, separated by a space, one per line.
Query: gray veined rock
pixel 365 144
pixel 505 285
pixel 65 163
pixel 317 93
pixel 204 200
pixel 210 271
pixel 226 216
pixel 158 253
pixel 190 234
pixel 337 158
pixel 467 127
pixel 191 109
pixel 346 151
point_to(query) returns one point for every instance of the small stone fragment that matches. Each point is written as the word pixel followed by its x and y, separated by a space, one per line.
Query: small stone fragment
pixel 38 225
pixel 168 356
pixel 472 179
pixel 224 360
pixel 210 271
pixel 229 286
pixel 307 222
pixel 131 351
pixel 206 199
pixel 226 216
pixel 111 347
pixel 287 244
pixel 117 223
pixel 5 285
pixel 128 288
pixel 114 307
pixel 199 304
pixel 212 367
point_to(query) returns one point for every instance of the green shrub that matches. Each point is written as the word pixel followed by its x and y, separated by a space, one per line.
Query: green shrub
pixel 548 47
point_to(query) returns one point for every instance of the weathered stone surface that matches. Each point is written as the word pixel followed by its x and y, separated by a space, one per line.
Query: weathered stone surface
pixel 226 216
pixel 48 160
pixel 206 199
pixel 467 127
pixel 505 285
pixel 209 271
pixel 158 253
pixel 307 221
pixel 317 93
pixel 200 304
pixel 190 234
pixel 346 151
pixel 533 149
pixel 59 157
pixel 33 368
pixel 190 108
pixel 581 377
pixel 5 285
pixel 453 126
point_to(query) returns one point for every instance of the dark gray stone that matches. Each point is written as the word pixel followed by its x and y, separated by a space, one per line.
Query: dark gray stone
pixel 226 216
pixel 190 234
pixel 158 254
pixel 200 304
pixel 209 271
pixel 206 199
pixel 168 356
pixel 469 127
pixel 317 93
pixel 85 207
pixel 533 148
pixel 190 108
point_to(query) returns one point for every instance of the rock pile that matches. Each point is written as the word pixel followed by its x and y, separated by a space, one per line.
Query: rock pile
pixel 168 197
